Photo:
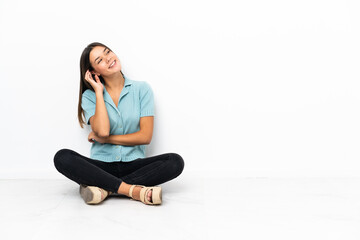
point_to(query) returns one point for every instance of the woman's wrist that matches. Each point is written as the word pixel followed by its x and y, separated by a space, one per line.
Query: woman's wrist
pixel 99 93
pixel 107 139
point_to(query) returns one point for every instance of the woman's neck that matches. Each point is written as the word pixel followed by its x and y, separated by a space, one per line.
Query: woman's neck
pixel 115 82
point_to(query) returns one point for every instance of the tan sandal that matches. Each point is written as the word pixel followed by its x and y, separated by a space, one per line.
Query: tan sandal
pixel 156 194
pixel 93 194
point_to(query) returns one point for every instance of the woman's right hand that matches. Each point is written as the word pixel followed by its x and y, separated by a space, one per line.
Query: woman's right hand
pixel 97 85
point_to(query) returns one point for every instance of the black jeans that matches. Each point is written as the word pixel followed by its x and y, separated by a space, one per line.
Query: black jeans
pixel 149 171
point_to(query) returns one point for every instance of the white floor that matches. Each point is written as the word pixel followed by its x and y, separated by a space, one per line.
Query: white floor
pixel 193 208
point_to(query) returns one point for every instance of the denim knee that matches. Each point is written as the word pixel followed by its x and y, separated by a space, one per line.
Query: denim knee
pixel 61 157
pixel 177 163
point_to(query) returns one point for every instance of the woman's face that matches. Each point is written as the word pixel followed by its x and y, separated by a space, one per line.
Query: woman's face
pixel 104 61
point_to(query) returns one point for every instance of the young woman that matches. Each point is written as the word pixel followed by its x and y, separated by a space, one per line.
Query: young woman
pixel 121 114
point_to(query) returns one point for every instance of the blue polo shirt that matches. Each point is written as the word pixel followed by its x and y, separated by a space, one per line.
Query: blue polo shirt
pixel 136 101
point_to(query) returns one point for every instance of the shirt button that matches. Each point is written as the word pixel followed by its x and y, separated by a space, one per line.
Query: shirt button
pixel 117 157
pixel 120 126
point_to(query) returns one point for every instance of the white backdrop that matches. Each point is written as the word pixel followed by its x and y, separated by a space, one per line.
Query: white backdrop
pixel 253 88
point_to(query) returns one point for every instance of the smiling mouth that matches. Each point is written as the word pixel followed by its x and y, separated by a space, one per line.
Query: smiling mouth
pixel 112 64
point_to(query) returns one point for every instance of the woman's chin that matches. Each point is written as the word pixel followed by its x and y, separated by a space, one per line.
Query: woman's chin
pixel 115 69
pixel 113 72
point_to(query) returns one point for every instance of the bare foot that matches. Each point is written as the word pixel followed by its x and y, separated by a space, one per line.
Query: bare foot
pixel 136 194
pixel 124 189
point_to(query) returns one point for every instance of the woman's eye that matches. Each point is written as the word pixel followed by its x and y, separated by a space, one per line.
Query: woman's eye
pixel 99 61
pixel 108 51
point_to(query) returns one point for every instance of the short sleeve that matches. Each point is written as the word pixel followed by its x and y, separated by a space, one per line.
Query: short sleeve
pixel 88 104
pixel 146 101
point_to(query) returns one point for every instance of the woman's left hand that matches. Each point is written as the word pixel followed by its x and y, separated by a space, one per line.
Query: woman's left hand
pixel 93 137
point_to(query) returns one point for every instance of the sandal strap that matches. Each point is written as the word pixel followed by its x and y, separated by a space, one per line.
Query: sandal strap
pixel 104 193
pixel 131 190
pixel 143 196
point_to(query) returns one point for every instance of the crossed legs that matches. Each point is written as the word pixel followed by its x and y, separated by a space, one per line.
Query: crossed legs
pixel 119 176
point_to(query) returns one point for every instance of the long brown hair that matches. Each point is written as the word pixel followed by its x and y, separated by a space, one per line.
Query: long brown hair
pixel 84 85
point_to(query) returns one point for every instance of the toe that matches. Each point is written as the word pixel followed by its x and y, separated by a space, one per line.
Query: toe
pixel 149 196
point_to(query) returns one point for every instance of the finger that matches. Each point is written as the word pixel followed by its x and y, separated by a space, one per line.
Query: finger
pixel 97 79
pixel 87 75
pixel 89 78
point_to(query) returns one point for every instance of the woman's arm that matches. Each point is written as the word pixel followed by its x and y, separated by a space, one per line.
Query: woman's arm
pixel 100 123
pixel 142 137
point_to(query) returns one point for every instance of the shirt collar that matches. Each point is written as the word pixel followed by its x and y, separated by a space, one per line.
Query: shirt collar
pixel 127 82
pixel 124 92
